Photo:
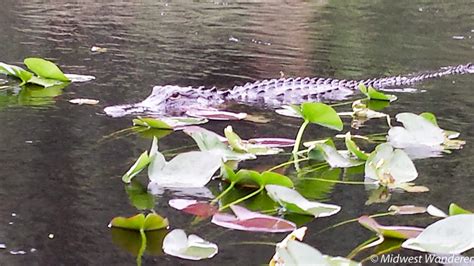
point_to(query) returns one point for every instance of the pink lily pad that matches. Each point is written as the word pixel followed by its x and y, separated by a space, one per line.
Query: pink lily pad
pixel 400 232
pixel 246 220
pixel 201 209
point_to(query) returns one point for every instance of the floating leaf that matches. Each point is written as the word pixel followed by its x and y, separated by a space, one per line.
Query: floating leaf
pixel 354 149
pixel 455 209
pixel 416 131
pixel 79 78
pixel 389 166
pixel 430 117
pixel 335 158
pixel 201 209
pixel 291 200
pixel 373 94
pixel 16 72
pixel 189 169
pixel 212 142
pixel 84 101
pixel 44 82
pixel 296 253
pixel 250 177
pixel 251 221
pixel 321 114
pixel 45 69
pixel 139 222
pixel 402 232
pixel 406 209
pixel 451 235
pixel 191 247
pixel 290 110
pixel 151 123
pixel 435 211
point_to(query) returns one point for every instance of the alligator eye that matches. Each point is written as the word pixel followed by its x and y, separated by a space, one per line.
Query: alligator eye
pixel 174 96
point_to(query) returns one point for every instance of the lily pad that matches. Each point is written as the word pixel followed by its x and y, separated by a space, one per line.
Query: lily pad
pixel 189 169
pixel 291 200
pixel 335 158
pixel 321 114
pixel 299 254
pixel 139 222
pixel 151 123
pixel 373 94
pixel 416 131
pixel 15 71
pixel 401 232
pixel 246 220
pixel 213 143
pixel 354 149
pixel 201 209
pixel 455 209
pixel 191 247
pixel 451 235
pixel 45 69
pixel 389 166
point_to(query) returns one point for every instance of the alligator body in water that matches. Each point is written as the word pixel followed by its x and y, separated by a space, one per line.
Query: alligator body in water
pixel 173 100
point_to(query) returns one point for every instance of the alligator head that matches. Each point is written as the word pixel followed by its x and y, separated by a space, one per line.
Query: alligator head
pixel 170 101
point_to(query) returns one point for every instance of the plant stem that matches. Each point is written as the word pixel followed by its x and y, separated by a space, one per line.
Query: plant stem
pixel 232 184
pixel 287 163
pixel 243 198
pixel 141 251
pixel 299 136
pixel 355 220
pixel 338 181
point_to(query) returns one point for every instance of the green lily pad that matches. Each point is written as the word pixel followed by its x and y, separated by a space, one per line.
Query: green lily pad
pixel 322 114
pixel 139 222
pixel 455 209
pixel 15 71
pixel 354 149
pixel 211 142
pixel 45 69
pixel 373 94
pixel 151 123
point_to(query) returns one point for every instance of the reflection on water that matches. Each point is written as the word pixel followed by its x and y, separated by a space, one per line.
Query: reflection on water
pixel 58 179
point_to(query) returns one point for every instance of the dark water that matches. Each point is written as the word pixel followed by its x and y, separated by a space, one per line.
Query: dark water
pixel 58 178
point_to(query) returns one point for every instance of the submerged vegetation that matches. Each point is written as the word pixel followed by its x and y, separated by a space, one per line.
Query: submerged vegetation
pixel 386 162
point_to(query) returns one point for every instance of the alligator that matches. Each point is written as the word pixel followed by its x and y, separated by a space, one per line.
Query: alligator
pixel 170 100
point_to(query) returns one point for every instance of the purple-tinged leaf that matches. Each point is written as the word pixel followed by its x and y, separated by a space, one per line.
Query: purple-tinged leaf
pixel 407 209
pixel 401 232
pixel 246 220
pixel 201 209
